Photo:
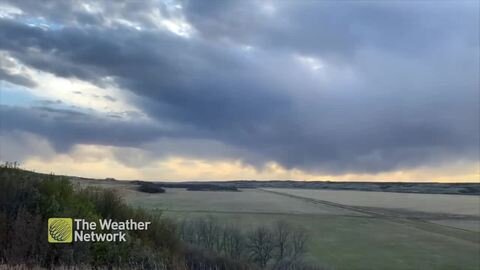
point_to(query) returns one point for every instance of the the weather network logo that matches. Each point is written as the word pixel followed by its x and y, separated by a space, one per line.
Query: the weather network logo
pixel 60 230
pixel 68 230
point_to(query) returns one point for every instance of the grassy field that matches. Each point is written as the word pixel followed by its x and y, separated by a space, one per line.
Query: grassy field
pixel 432 203
pixel 370 243
pixel 469 225
pixel 247 201
pixel 353 234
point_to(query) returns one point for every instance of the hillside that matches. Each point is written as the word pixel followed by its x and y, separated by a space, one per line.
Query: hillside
pixel 28 200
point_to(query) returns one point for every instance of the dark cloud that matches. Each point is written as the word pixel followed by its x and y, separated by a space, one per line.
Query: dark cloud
pixel 397 87
pixel 65 127
pixel 337 29
pixel 16 79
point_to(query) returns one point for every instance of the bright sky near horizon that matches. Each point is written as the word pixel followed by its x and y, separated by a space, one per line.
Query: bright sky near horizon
pixel 223 90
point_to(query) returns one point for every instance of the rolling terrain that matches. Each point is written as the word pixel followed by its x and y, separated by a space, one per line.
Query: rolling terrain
pixel 347 229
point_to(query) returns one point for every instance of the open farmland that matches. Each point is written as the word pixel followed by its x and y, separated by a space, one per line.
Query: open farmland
pixel 457 211
pixel 342 236
pixel 247 201
pixel 347 229
pixel 431 203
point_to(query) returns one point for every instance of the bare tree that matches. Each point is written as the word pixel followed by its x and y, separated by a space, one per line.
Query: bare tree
pixel 282 242
pixel 299 243
pixel 261 246
pixel 203 233
pixel 184 231
pixel 233 242
pixel 281 235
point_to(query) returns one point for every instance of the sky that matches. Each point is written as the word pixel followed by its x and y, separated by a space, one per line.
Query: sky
pixel 223 90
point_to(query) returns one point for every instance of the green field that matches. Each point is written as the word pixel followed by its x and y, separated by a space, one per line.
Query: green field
pixel 342 236
pixel 431 203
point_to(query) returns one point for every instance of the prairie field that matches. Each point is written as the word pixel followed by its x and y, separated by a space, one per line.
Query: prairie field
pixel 347 229
pixel 247 201
pixel 431 203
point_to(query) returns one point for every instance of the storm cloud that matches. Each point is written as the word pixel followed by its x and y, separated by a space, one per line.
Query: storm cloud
pixel 327 87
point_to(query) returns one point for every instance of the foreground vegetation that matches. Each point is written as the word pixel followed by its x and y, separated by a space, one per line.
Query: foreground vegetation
pixel 27 200
pixel 279 246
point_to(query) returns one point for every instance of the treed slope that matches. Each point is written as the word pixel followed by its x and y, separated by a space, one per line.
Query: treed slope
pixel 28 199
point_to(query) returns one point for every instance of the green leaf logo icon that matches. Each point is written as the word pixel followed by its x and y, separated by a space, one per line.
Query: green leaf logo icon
pixel 60 230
